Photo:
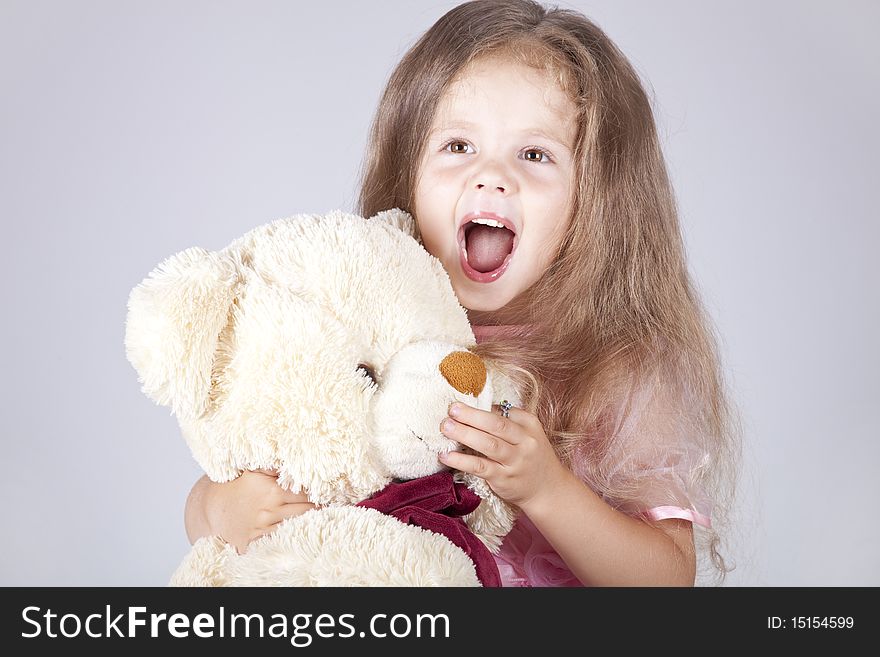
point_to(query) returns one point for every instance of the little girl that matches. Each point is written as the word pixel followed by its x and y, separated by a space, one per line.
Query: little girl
pixel 523 143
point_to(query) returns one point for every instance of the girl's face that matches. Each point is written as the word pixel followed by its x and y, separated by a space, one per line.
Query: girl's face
pixel 500 148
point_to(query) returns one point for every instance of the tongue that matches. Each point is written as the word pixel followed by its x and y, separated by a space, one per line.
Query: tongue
pixel 487 247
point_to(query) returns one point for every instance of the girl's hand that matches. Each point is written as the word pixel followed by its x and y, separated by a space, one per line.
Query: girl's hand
pixel 515 457
pixel 243 509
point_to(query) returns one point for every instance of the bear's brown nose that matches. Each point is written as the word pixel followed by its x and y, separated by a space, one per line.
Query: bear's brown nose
pixel 464 371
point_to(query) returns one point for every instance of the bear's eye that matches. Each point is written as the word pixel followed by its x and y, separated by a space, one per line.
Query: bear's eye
pixel 367 371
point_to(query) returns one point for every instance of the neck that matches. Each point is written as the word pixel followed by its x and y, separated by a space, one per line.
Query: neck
pixel 511 314
pixel 488 318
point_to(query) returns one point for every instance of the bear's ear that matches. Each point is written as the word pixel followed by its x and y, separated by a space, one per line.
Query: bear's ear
pixel 401 220
pixel 503 388
pixel 175 317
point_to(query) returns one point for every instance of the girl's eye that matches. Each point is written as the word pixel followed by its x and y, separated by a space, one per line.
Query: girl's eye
pixel 456 147
pixel 532 154
pixel 537 155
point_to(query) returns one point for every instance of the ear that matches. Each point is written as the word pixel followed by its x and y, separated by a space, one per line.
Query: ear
pixel 175 316
pixel 401 220
pixel 504 388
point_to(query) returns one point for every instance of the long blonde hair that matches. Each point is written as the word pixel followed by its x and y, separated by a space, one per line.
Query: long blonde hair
pixel 623 306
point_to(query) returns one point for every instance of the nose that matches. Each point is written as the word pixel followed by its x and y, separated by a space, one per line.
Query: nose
pixel 491 178
pixel 500 188
pixel 464 371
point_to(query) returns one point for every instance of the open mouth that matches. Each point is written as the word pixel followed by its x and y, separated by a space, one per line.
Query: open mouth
pixel 486 243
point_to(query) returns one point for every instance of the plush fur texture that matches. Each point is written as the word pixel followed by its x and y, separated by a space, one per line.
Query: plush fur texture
pixel 328 347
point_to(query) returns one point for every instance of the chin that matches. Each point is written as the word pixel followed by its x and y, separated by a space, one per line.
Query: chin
pixel 485 298
pixel 487 302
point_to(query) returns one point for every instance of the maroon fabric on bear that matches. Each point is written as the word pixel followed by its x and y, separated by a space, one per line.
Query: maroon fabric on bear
pixel 437 503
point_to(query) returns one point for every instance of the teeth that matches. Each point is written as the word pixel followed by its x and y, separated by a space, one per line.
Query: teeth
pixel 487 222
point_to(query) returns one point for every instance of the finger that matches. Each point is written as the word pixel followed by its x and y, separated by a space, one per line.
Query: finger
pixel 286 511
pixel 293 510
pixel 289 497
pixel 492 423
pixel 471 463
pixel 514 413
pixel 255 535
pixel 521 418
pixel 490 446
pixel 274 526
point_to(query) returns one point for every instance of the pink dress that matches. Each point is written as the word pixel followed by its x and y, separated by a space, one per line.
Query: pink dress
pixel 667 487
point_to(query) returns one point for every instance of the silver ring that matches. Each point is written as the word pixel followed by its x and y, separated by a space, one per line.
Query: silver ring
pixel 505 408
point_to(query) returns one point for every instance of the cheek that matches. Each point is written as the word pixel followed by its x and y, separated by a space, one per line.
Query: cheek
pixel 431 242
pixel 439 180
pixel 429 194
pixel 429 226
pixel 557 229
pixel 546 186
pixel 553 213
pixel 557 193
pixel 434 207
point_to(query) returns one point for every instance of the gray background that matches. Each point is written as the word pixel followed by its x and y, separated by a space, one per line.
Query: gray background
pixel 132 130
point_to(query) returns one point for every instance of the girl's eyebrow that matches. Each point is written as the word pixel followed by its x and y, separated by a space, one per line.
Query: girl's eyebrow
pixel 467 125
pixel 544 135
pixel 455 124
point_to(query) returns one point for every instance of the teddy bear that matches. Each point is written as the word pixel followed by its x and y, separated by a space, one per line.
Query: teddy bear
pixel 328 348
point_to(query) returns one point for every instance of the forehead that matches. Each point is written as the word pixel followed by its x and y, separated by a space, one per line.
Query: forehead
pixel 499 91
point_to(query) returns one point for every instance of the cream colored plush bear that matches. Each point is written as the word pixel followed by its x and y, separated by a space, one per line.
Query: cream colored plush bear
pixel 327 347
